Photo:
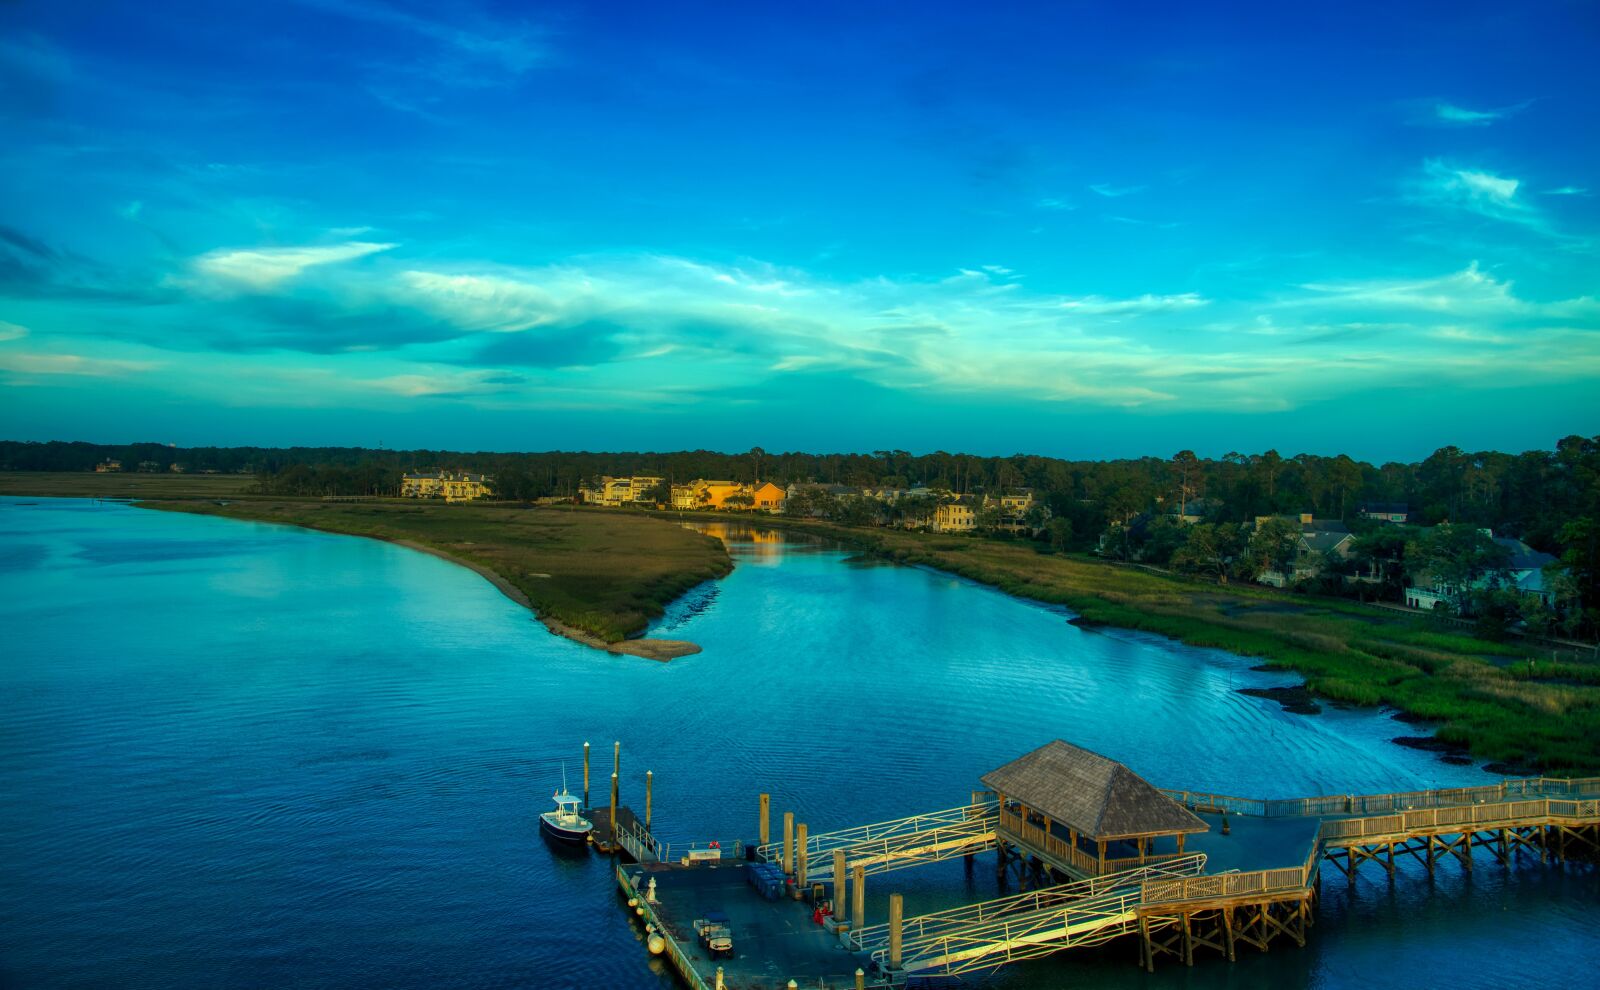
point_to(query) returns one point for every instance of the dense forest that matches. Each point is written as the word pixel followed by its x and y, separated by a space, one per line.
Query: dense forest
pixel 1550 499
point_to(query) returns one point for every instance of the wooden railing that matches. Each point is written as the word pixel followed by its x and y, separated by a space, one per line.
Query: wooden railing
pixel 674 952
pixel 1502 814
pixel 1054 845
pixel 1357 805
pixel 1287 879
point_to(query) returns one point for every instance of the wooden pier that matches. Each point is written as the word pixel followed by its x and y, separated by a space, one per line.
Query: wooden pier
pixel 1098 854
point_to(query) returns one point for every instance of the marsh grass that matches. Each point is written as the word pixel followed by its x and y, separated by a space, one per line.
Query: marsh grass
pixel 607 574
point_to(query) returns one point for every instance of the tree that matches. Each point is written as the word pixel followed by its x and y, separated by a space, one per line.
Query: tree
pixel 1059 531
pixel 739 500
pixel 1208 549
pixel 1457 559
pixel 1382 553
pixel 1275 546
pixel 1187 467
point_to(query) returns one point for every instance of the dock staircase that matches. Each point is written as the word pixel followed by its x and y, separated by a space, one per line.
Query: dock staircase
pixel 900 843
pixel 1020 926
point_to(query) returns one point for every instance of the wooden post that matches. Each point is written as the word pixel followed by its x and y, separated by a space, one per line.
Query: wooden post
pixel 861 979
pixel 616 758
pixel 1102 845
pixel 858 904
pixel 586 776
pixel 649 781
pixel 800 865
pixel 614 808
pixel 788 842
pixel 897 909
pixel 838 885
pixel 766 814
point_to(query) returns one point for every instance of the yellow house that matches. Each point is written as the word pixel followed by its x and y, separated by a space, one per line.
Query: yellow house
pixel 959 516
pixel 452 486
pixel 717 493
pixel 768 497
pixel 108 466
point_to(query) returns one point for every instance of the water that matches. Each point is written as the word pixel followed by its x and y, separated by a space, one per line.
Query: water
pixel 241 755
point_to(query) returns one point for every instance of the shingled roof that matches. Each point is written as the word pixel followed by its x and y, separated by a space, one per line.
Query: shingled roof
pixel 1083 790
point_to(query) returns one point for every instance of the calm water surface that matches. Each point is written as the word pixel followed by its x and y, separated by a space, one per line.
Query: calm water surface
pixel 240 755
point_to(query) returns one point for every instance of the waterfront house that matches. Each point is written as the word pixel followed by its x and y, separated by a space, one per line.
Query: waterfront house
pixel 959 515
pixel 452 486
pixel 1524 573
pixel 768 497
pixel 1322 541
pixel 1389 512
pixel 108 466
pixel 1084 814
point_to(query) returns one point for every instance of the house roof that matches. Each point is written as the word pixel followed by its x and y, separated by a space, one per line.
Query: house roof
pixel 1324 541
pixel 1524 557
pixel 1318 526
pixel 1386 508
pixel 1083 790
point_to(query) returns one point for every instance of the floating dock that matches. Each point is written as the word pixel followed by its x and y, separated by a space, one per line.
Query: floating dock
pixel 1097 854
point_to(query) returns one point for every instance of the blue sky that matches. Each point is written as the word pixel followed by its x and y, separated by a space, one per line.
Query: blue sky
pixel 1077 229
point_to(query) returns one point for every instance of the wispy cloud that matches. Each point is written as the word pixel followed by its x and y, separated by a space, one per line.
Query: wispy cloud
pixel 1567 191
pixel 1058 205
pixel 511 47
pixel 71 364
pixel 12 331
pixel 262 269
pixel 1477 191
pixel 1147 303
pixel 1452 115
pixel 1112 192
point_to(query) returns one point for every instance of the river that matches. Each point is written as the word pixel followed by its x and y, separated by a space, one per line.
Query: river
pixel 242 755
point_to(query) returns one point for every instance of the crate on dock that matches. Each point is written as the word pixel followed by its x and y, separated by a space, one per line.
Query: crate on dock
pixel 767 879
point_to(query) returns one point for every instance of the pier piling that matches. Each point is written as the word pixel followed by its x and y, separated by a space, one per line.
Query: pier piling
pixel 788 842
pixel 858 907
pixel 613 807
pixel 897 910
pixel 649 782
pixel 586 775
pixel 616 758
pixel 766 819
pixel 802 858
pixel 838 885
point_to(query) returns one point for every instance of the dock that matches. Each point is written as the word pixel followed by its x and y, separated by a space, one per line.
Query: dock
pixel 1096 853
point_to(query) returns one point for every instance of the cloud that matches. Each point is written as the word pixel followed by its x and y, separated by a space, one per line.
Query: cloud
pixel 72 364
pixel 1451 115
pixel 263 269
pixel 510 48
pixel 1146 303
pixel 1567 191
pixel 1477 191
pixel 1055 205
pixel 1112 192
pixel 12 331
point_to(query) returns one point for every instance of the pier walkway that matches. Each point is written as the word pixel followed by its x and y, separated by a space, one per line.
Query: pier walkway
pixel 884 846
pixel 1098 853
pixel 1020 926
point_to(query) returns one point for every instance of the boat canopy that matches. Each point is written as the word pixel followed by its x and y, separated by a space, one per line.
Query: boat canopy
pixel 563 800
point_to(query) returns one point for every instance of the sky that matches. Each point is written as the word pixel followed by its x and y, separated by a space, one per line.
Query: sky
pixel 1075 229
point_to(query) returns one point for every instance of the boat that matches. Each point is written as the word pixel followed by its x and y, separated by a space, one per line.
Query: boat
pixel 565 823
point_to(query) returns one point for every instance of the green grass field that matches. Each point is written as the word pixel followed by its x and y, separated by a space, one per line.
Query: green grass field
pixel 88 484
pixel 604 574
pixel 1485 696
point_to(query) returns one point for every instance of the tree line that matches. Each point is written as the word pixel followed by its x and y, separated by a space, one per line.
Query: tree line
pixel 1550 499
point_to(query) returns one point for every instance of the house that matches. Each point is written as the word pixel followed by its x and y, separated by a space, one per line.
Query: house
pixel 108 466
pixel 1321 541
pixel 1524 573
pixel 768 497
pixel 1086 815
pixel 960 515
pixel 616 492
pixel 452 486
pixel 1390 512
pixel 1195 510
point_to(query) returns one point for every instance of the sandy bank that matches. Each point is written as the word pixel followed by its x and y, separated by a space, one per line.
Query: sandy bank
pixel 651 649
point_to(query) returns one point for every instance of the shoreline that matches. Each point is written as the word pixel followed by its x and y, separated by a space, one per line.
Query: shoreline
pixel 661 650
pixel 1342 656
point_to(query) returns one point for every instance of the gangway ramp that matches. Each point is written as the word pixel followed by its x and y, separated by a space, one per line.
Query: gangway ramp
pixel 902 842
pixel 1022 926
